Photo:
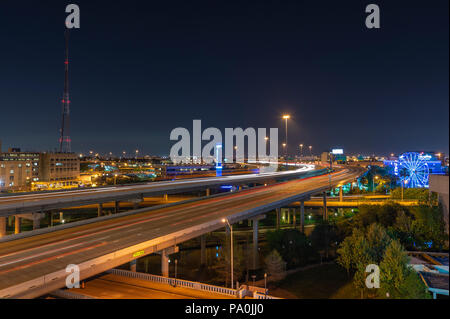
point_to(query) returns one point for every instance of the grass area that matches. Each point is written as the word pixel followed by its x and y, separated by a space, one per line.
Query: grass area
pixel 328 281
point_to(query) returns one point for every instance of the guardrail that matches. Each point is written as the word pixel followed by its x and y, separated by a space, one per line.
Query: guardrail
pixel 69 295
pixel 258 295
pixel 175 282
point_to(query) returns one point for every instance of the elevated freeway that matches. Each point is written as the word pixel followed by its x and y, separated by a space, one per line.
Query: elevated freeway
pixel 36 264
pixel 11 204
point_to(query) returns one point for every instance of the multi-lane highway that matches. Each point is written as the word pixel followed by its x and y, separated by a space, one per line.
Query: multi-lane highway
pixel 42 201
pixel 32 266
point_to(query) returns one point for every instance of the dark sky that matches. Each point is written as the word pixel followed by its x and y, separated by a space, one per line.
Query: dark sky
pixel 141 68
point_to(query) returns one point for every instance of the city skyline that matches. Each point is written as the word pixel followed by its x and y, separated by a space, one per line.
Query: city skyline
pixel 139 72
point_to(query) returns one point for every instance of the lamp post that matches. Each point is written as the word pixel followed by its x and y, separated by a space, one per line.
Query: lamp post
pixel 265 284
pixel 373 184
pixel 405 181
pixel 310 151
pixel 115 178
pixel 286 117
pixel 301 151
pixel 225 220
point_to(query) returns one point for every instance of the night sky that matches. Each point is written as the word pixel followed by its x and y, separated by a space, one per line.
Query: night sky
pixel 141 68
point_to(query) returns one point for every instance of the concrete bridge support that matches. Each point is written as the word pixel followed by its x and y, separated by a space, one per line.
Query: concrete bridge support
pixel 165 259
pixel 278 218
pixel 116 207
pixel 203 250
pixel 17 222
pixel 294 217
pixel 341 194
pixel 133 264
pixel 2 227
pixel 164 264
pixel 255 254
pixel 302 216
pixel 166 197
pixel 36 220
pixel 99 209
pixel 325 210
pixel 208 192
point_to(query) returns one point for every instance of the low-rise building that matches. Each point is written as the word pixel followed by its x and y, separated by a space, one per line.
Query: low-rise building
pixel 59 169
pixel 18 170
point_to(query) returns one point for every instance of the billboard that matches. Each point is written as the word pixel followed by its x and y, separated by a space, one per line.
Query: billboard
pixel 337 151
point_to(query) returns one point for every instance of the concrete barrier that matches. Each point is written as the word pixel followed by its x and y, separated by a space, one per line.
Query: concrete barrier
pixel 175 282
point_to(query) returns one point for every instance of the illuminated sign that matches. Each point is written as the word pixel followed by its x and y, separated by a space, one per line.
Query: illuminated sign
pixel 337 151
pixel 138 254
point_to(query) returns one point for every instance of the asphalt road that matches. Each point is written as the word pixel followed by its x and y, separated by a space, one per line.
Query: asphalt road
pixel 34 202
pixel 25 259
pixel 112 286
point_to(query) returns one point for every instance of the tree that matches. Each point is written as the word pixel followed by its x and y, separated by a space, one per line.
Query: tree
pixel 345 255
pixel 275 265
pixel 397 278
pixel 292 245
pixel 222 266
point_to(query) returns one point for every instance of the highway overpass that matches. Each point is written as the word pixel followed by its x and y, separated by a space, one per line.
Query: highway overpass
pixel 34 263
pixel 12 204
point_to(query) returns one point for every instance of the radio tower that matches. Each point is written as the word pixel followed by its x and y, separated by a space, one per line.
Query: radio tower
pixel 64 140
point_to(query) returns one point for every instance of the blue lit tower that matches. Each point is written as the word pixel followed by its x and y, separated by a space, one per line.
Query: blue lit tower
pixel 64 139
pixel 218 154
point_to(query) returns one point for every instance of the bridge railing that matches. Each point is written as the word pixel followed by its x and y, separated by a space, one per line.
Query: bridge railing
pixel 69 295
pixel 176 282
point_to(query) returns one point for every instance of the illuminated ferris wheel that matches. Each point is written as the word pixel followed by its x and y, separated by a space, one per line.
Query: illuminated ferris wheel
pixel 413 170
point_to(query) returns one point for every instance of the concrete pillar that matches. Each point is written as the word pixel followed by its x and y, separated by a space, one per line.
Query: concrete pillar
pixel 289 216
pixel 203 250
pixel 61 216
pixel 10 221
pixel 49 218
pixel 133 264
pixel 99 209
pixel 208 192
pixel 166 197
pixel 341 194
pixel 164 263
pixel 116 206
pixel 294 217
pixel 302 215
pixel 325 210
pixel 36 221
pixel 146 264
pixel 255 243
pixel 2 227
pixel 16 224
pixel 278 218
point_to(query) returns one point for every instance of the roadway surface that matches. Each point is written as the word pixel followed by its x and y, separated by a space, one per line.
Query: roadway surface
pixel 27 264
pixel 40 201
pixel 112 286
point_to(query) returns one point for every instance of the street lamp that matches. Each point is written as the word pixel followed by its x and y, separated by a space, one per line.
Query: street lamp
pixel 265 284
pixel 373 183
pixel 310 151
pixel 225 220
pixel 301 150
pixel 115 178
pixel 286 117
